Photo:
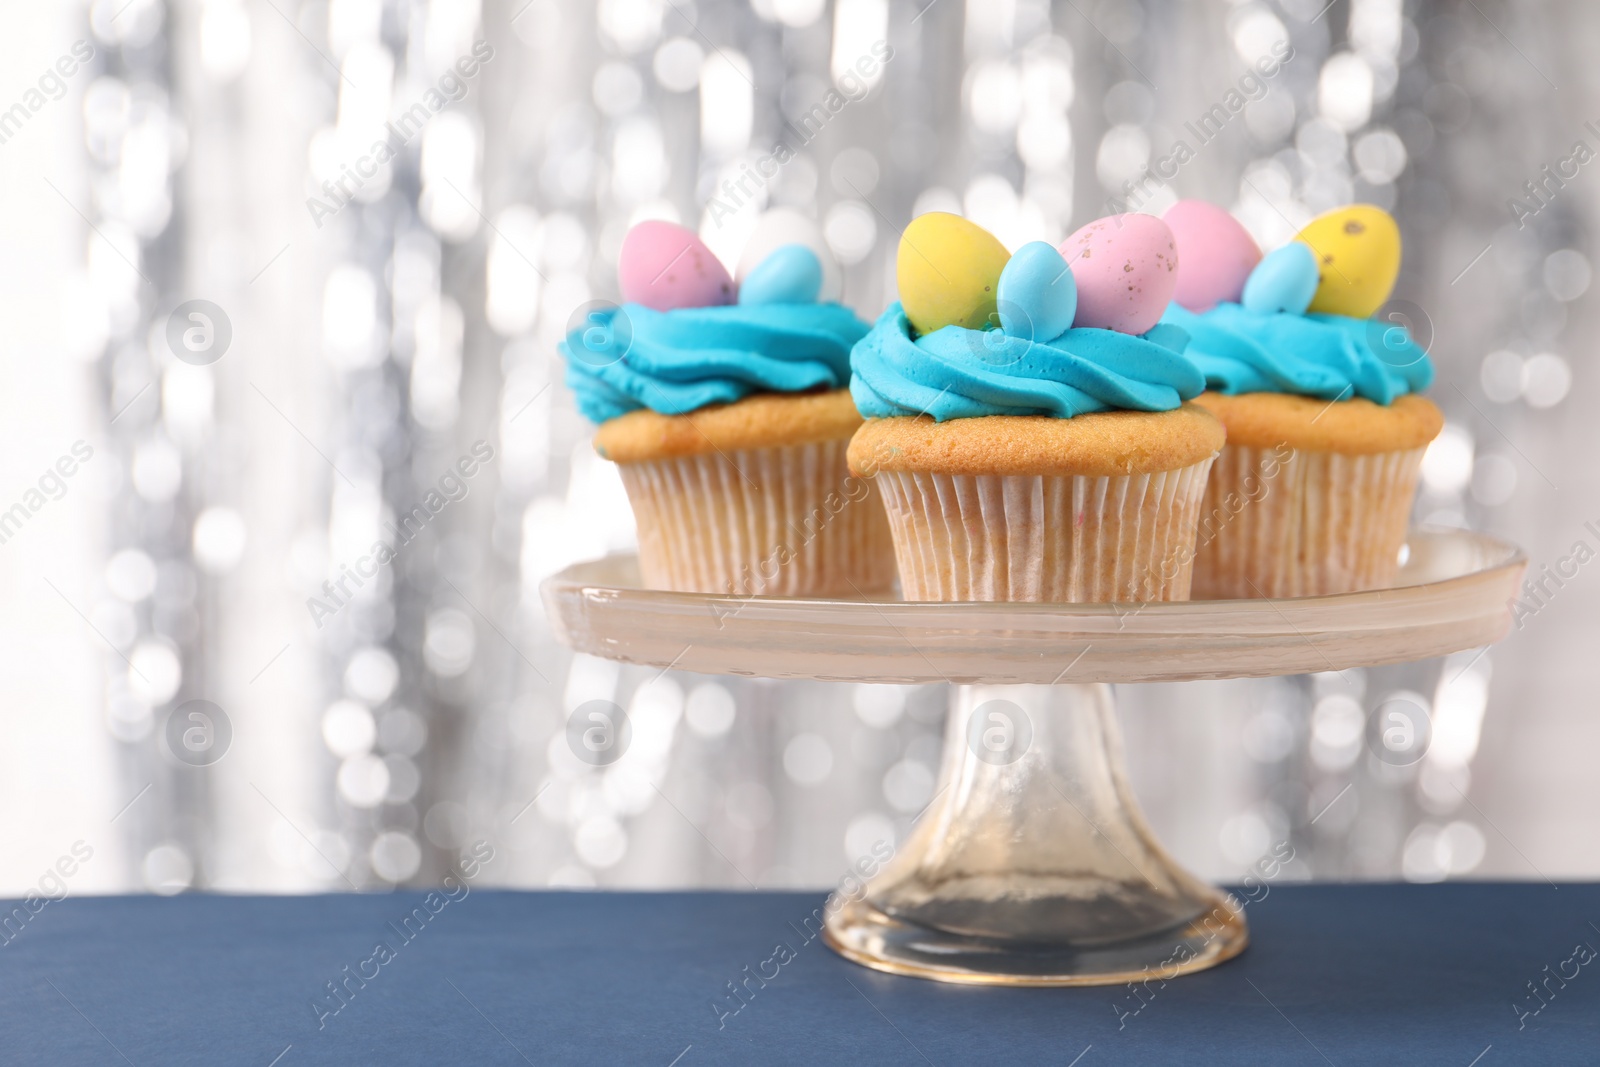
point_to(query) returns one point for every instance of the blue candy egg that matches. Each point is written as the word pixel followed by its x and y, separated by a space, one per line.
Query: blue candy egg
pixel 1037 295
pixel 792 274
pixel 1285 280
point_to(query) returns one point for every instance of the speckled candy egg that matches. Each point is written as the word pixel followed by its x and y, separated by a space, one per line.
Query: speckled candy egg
pixel 664 266
pixel 948 271
pixel 1126 267
pixel 1358 256
pixel 1216 254
pixel 785 226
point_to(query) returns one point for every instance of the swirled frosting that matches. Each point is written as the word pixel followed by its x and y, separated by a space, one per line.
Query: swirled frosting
pixel 1332 357
pixel 957 373
pixel 678 361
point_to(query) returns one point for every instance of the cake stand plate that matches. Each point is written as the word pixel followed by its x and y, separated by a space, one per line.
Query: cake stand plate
pixel 1033 864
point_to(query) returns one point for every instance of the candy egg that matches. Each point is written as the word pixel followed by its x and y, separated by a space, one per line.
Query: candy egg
pixel 1126 267
pixel 948 270
pixel 1284 281
pixel 1217 254
pixel 791 275
pixel 663 265
pixel 1038 295
pixel 1358 255
pixel 786 226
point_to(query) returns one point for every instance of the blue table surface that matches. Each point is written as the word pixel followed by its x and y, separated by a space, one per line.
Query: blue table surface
pixel 1352 974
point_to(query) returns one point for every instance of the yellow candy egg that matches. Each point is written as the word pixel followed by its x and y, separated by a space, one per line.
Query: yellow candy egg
pixel 1358 259
pixel 948 270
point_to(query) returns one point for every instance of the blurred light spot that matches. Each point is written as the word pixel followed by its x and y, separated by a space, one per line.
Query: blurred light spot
pixel 1546 380
pixel 1337 722
pixel 1256 33
pixel 219 539
pixel 167 870
pixel 633 24
pixel 1566 274
pixel 348 729
pixel 1044 141
pixel 450 199
pixel 617 88
pixel 1380 155
pixel 363 781
pixel 1344 91
pixel 807 759
pixel 116 622
pixel 350 317
pixel 187 395
pixel 446 824
pixel 449 642
pixel 857 26
pixel 798 13
pixel 154 672
pixel 677 64
pixel 224 39
pixel 850 230
pixel 1458 707
pixel 907 786
pixel 854 172
pixel 1433 853
pixel 130 575
pixel 1123 155
pixel 710 710
pixel 1494 479
pixel 726 104
pixel 600 841
pixel 994 95
pixel 371 675
pixel 1269 736
pixel 440 331
pixel 1447 464
pixel 395 856
pixel 879 706
pixel 937 198
pixel 1500 376
pixel 639 159
pixel 1244 837
pixel 867 835
pixel 157 470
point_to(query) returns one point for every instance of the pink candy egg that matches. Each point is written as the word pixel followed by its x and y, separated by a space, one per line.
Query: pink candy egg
pixel 663 265
pixel 1126 267
pixel 1218 254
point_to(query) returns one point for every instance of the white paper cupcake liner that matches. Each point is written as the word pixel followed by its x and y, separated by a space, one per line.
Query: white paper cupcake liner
pixel 787 521
pixel 1057 539
pixel 1287 523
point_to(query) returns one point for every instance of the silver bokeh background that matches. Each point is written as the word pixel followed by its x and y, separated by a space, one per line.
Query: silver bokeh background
pixel 387 316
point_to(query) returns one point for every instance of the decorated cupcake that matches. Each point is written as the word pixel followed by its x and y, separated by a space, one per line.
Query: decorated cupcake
pixel 1026 423
pixel 1326 429
pixel 725 408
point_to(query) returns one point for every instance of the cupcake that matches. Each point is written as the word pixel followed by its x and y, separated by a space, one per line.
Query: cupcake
pixel 1326 430
pixel 1026 420
pixel 726 411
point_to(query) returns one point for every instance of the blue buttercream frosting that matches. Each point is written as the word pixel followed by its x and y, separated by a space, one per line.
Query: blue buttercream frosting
pixel 1332 357
pixel 678 361
pixel 957 373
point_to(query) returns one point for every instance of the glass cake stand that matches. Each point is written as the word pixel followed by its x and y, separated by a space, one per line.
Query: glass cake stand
pixel 1033 864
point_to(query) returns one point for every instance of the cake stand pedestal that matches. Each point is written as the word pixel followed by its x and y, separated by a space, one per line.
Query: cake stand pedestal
pixel 1033 865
